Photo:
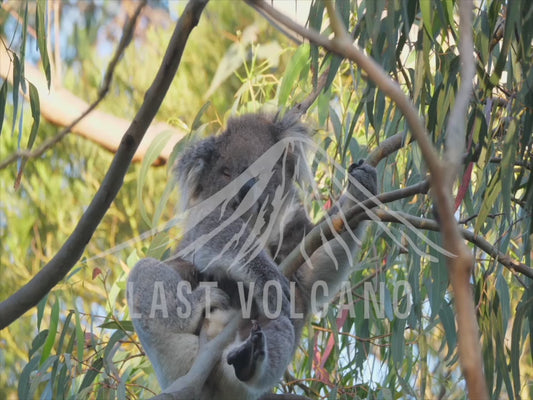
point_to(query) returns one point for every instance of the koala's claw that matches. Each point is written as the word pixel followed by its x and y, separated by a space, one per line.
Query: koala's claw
pixel 247 356
pixel 355 165
pixel 365 175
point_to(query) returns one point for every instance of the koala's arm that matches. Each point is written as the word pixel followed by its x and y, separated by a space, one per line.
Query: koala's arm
pixel 334 260
pixel 228 251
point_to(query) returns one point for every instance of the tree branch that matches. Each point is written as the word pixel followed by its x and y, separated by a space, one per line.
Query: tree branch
pixel 386 148
pixel 62 108
pixel 301 108
pixel 314 239
pixel 30 294
pixel 461 266
pixel 432 225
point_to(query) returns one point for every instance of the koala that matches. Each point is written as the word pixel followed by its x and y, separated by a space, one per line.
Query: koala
pixel 244 215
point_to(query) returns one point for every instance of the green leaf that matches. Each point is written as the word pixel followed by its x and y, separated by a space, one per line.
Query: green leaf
pixel 448 322
pixel 297 63
pixel 151 155
pixel 92 373
pixel 3 99
pixel 343 8
pixel 316 14
pixel 41 38
pixel 63 380
pixel 126 326
pixel 502 369
pixel 158 246
pixel 507 165
pixel 406 386
pixel 115 337
pixel 80 337
pixel 16 84
pixel 524 310
pixel 198 118
pixel 64 331
pixel 512 21
pixel 233 59
pixel 52 331
pixel 427 13
pixel 323 107
pixel 40 310
pixel 492 193
pixel 38 341
pixel 25 379
pixel 398 342
pixel 35 113
pixel 162 203
pixel 23 47
pixel 505 300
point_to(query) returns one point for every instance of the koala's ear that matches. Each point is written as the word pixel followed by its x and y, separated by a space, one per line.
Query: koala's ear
pixel 192 167
pixel 290 126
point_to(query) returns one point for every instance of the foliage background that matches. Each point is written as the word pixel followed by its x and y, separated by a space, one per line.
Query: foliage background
pixel 79 344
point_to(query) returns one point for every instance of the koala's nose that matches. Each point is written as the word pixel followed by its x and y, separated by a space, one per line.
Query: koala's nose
pixel 246 188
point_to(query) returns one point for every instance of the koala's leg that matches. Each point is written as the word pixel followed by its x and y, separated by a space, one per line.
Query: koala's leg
pixel 169 339
pixel 263 357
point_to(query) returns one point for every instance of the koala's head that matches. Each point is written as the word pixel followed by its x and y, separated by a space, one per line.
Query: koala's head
pixel 210 165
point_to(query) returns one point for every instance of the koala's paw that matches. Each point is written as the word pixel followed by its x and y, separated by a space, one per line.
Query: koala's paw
pixel 249 355
pixel 366 175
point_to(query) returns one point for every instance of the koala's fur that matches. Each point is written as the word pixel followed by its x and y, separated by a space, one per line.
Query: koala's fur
pixel 242 221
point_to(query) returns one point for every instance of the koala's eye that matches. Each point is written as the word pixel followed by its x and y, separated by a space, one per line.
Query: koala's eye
pixel 226 172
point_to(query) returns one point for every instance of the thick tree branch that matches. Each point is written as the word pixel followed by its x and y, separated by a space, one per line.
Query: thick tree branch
pixel 461 266
pixel 30 294
pixel 456 126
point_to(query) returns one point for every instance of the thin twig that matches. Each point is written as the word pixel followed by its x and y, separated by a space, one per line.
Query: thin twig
pixel 302 107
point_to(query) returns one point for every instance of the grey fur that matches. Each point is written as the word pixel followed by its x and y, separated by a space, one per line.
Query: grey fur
pixel 242 221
